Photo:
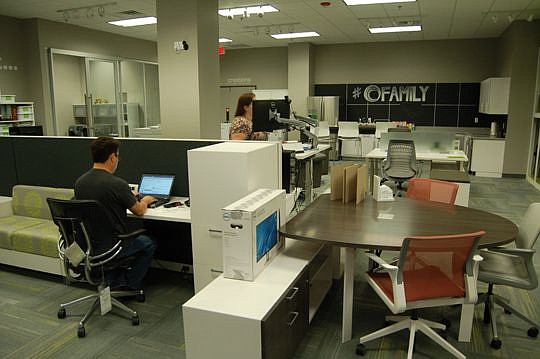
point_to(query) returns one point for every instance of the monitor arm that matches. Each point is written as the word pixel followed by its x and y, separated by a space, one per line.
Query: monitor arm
pixel 300 126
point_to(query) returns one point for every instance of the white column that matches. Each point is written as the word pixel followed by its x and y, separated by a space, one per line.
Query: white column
pixel 188 79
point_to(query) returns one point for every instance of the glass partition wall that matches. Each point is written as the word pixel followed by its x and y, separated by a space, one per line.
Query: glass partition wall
pixel 99 96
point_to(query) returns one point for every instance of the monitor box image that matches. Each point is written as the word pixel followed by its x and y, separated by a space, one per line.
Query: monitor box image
pixel 251 233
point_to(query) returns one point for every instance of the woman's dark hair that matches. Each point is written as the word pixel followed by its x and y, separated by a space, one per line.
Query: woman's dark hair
pixel 102 147
pixel 244 100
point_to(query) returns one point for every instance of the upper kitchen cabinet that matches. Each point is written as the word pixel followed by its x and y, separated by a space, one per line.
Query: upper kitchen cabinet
pixel 494 95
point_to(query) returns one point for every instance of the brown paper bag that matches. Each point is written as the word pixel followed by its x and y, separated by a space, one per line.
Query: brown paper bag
pixel 361 183
pixel 337 173
pixel 349 183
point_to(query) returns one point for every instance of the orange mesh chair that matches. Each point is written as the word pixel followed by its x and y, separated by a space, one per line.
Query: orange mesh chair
pixel 431 272
pixel 426 189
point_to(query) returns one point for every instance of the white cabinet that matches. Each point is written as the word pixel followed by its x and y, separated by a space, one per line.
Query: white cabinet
pixel 266 318
pixel 220 175
pixel 488 157
pixel 494 96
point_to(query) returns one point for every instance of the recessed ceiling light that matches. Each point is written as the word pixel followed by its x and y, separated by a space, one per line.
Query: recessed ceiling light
pixel 224 39
pixel 380 30
pixel 369 2
pixel 295 35
pixel 135 22
pixel 247 10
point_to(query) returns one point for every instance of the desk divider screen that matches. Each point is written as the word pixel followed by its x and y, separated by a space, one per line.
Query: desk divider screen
pixel 59 161
pixel 423 141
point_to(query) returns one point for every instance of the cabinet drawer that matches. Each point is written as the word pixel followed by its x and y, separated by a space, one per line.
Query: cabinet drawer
pixel 285 326
pixel 207 245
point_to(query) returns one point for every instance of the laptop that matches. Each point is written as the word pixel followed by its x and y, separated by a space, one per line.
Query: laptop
pixel 158 186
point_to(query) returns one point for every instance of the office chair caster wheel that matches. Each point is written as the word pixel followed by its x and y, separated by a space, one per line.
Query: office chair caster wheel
pixel 506 311
pixel 360 349
pixel 532 332
pixel 141 298
pixel 447 323
pixel 495 344
pixel 61 313
pixel 135 320
pixel 81 332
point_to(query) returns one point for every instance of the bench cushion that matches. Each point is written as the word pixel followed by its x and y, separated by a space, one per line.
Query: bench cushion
pixel 31 201
pixel 41 239
pixel 11 224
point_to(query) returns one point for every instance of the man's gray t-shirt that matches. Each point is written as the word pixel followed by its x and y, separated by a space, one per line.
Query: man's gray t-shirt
pixel 112 191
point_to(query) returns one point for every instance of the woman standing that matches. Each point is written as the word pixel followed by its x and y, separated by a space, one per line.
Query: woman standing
pixel 242 125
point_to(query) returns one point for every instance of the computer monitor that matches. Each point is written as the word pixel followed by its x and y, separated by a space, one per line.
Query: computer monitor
pixel 26 130
pixel 263 114
pixel 156 185
pixel 267 234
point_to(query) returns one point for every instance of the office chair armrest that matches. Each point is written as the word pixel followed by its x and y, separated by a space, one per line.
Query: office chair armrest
pixel 381 262
pixel 520 252
pixel 128 236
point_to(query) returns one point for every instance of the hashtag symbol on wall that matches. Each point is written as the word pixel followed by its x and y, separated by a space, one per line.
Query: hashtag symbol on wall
pixel 357 91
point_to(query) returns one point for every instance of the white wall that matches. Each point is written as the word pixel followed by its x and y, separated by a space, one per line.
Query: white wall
pixel 13 52
pixel 408 61
pixel 518 59
pixel 266 67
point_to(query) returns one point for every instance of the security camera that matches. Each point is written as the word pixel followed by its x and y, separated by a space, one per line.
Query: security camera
pixel 260 14
pixel 230 17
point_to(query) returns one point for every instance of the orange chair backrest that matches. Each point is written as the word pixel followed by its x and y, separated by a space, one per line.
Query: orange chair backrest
pixel 427 189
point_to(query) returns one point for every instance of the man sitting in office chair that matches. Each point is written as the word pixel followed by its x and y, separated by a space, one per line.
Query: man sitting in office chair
pixel 100 184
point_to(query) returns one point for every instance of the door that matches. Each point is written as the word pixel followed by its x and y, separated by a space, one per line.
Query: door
pixel 103 107
pixel 68 81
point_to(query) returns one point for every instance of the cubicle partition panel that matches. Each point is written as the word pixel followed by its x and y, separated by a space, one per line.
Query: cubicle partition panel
pixel 8 174
pixel 59 161
pixel 159 156
pixel 50 161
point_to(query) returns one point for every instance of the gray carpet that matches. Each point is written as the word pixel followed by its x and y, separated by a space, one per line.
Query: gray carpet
pixel 29 302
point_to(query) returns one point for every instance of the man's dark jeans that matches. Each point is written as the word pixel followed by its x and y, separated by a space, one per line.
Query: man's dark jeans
pixel 143 247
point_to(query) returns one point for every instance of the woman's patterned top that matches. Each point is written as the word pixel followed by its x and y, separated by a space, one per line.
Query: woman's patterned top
pixel 242 125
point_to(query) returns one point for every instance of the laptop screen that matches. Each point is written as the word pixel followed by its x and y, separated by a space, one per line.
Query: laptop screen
pixel 156 185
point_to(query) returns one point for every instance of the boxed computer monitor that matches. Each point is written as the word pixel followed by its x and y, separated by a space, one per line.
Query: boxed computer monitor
pixel 264 112
pixel 251 233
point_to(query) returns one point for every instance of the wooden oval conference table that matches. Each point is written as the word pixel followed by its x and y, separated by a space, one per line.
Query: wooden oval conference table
pixel 383 225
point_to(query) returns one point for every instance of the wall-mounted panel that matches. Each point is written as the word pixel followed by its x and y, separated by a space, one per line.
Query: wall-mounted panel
pixel 424 104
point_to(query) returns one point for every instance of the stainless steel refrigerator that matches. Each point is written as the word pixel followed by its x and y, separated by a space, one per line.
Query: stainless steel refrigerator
pixel 326 108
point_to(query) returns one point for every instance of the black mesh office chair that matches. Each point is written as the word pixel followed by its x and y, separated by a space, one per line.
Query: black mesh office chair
pixel 86 223
pixel 400 163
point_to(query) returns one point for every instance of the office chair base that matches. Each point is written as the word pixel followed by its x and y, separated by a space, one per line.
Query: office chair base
pixel 81 332
pixel 490 299
pixel 414 325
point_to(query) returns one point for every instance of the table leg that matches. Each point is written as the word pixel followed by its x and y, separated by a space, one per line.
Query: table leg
pixel 348 293
pixel 308 180
pixel 466 322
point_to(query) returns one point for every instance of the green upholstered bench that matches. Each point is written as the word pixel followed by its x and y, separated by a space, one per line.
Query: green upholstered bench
pixel 28 237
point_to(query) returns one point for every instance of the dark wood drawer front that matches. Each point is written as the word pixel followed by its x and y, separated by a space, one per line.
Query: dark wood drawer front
pixel 286 325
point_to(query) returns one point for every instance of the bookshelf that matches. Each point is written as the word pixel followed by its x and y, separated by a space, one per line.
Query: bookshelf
pixel 15 114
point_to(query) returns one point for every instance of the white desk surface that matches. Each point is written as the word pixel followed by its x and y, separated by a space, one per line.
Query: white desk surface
pixel 456 156
pixel 312 152
pixel 173 214
pixel 253 300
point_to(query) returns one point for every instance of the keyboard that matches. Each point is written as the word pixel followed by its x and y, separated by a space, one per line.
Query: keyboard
pixel 158 203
